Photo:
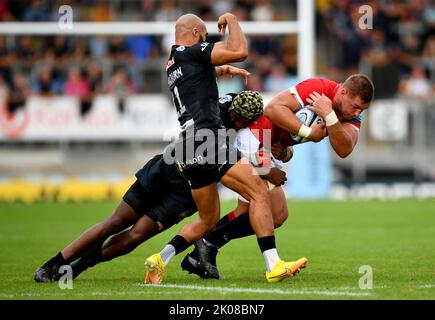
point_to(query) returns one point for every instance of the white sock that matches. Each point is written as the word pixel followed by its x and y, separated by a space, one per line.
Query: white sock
pixel 271 258
pixel 167 253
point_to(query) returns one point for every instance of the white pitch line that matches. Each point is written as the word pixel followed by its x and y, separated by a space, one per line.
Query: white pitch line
pixel 83 294
pixel 258 290
pixel 204 288
pixel 427 286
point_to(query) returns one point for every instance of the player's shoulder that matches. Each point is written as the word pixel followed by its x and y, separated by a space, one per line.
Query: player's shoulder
pixel 318 82
pixel 196 48
pixel 199 52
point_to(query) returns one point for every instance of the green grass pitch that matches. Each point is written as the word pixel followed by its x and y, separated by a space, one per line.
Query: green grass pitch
pixel 395 238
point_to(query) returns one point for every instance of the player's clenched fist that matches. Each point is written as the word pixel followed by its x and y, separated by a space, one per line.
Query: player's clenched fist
pixel 223 21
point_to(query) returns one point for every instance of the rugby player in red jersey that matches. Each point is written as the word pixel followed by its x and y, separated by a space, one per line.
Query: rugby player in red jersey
pixel 339 104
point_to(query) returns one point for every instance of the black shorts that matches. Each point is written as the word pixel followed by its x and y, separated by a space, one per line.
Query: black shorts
pixel 161 193
pixel 205 165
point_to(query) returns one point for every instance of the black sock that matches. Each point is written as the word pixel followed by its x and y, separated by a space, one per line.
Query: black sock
pixel 179 243
pixel 88 260
pixel 94 257
pixel 266 243
pixel 58 260
pixel 223 220
pixel 238 228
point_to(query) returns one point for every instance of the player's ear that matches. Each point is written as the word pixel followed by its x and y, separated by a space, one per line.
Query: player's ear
pixel 195 32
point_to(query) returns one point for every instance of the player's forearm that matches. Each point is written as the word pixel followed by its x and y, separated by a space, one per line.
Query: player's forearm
pixel 283 117
pixel 236 39
pixel 341 141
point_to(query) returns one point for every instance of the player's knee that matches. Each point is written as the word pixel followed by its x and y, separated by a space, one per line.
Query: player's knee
pixel 260 192
pixel 134 238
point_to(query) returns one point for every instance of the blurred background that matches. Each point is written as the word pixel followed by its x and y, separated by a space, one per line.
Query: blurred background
pixel 81 113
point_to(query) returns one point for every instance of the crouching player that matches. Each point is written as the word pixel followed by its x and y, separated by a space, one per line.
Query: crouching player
pixel 339 104
pixel 158 199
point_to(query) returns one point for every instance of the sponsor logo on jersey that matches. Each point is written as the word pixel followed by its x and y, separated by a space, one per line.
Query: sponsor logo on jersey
pixel 169 63
pixel 204 45
pixel 190 162
pixel 181 48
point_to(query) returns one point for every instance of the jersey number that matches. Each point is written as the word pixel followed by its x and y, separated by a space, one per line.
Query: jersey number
pixel 180 107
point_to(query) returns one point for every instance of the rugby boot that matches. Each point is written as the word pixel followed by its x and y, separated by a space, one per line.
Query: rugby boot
pixel 284 270
pixel 207 258
pixel 155 269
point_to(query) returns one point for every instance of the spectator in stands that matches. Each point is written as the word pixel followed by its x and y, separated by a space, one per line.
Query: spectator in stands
pixel 118 49
pixel 19 93
pixel 288 54
pixel 241 12
pixel 81 53
pixel 37 11
pixel 4 91
pixel 141 47
pixel 60 49
pixel 5 14
pixel 263 11
pixel 384 68
pixel 76 85
pixel 169 11
pixel 417 85
pixel 428 56
pixel 260 63
pixel 278 79
pixel 222 6
pixel 102 12
pixel 6 61
pixel 26 53
pixel 47 84
pixel 121 86
pixel 255 83
pixel 429 49
pixel 148 10
pixel 429 16
pixel 95 77
pixel 409 51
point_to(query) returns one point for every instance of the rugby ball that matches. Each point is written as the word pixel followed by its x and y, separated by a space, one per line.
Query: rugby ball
pixel 308 118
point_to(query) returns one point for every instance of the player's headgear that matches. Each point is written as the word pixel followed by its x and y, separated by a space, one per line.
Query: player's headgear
pixel 248 104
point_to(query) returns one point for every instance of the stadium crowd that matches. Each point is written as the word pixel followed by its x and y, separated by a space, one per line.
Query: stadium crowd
pixel 398 53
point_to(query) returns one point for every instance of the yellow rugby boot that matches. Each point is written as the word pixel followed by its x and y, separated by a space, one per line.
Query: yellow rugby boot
pixel 155 269
pixel 296 266
pixel 284 270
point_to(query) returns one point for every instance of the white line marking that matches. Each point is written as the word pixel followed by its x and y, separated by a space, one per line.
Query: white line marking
pixel 258 290
pixel 427 286
pixel 84 294
pixel 343 291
